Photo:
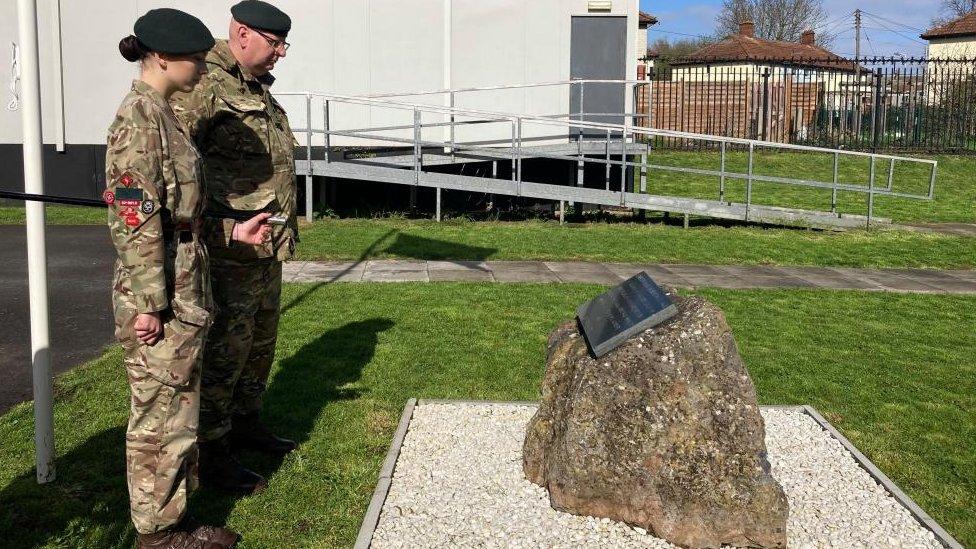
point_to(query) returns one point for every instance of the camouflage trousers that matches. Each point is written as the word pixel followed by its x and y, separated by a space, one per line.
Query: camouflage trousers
pixel 164 382
pixel 160 442
pixel 241 344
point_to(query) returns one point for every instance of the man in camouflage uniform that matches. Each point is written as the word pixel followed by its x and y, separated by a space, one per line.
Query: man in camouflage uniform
pixel 248 149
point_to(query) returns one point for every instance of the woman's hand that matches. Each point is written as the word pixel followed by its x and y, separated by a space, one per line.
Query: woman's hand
pixel 149 328
pixel 254 230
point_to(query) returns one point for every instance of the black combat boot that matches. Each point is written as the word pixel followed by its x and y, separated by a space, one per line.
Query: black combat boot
pixel 189 535
pixel 174 539
pixel 248 433
pixel 224 537
pixel 220 469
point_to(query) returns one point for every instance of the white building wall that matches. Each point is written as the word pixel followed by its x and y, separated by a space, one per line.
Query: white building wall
pixel 338 46
pixel 958 47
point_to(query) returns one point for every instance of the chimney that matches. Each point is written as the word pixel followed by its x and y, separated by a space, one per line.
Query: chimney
pixel 808 37
pixel 747 28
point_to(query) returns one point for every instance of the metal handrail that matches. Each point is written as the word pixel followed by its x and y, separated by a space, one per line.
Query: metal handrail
pixel 439 109
pixel 624 130
pixel 493 88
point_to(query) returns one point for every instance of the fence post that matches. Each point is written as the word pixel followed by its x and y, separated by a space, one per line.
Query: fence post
pixel 876 112
pixel 453 139
pixel 721 181
pixel 416 147
pixel 765 105
pixel 643 170
pixel 327 125
pixel 327 129
pixel 308 151
pixel 417 158
pixel 582 87
pixel 518 156
pixel 623 166
pixel 749 179
pixel 871 194
pixel 514 146
pixel 833 192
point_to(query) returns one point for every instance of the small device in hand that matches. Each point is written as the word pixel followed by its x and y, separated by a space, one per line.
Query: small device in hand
pixel 277 220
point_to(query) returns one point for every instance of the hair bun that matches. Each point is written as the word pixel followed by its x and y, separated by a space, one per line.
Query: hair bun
pixel 131 49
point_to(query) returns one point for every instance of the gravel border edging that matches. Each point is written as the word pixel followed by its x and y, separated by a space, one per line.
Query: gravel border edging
pixel 920 515
pixel 371 520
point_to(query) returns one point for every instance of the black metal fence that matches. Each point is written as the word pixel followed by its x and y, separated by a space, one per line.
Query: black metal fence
pixel 877 104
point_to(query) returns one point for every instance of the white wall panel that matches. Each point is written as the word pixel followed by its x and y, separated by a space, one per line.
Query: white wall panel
pixel 340 46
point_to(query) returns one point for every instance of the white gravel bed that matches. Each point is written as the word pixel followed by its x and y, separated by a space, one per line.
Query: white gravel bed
pixel 459 483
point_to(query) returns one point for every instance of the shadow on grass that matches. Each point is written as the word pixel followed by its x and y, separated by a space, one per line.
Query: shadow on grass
pixel 88 504
pixel 304 385
pixel 406 247
pixel 418 247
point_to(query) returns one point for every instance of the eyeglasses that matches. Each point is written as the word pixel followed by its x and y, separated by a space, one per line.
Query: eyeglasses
pixel 273 42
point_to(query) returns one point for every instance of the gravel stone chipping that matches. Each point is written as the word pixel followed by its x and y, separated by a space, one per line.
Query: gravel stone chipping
pixel 459 483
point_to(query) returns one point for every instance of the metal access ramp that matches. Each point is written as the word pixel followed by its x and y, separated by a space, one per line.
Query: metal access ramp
pixel 404 139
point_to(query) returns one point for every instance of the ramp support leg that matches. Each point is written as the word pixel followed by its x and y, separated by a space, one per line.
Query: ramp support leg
pixel 438 212
pixel 308 156
pixel 308 198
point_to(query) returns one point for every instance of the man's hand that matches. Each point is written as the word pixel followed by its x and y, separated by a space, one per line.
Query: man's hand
pixel 148 328
pixel 253 231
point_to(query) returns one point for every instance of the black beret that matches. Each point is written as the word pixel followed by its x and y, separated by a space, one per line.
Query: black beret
pixel 166 30
pixel 262 16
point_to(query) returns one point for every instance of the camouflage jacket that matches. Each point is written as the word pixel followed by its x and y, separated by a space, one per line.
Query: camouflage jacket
pixel 153 189
pixel 249 154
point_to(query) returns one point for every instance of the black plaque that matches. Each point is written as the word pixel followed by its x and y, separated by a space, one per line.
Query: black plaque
pixel 612 317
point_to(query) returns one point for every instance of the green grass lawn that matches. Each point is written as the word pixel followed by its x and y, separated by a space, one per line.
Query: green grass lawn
pixel 356 239
pixel 706 242
pixel 894 372
pixel 345 239
pixel 56 214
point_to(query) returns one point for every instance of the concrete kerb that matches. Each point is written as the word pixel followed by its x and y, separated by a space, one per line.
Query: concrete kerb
pixel 920 515
pixel 372 518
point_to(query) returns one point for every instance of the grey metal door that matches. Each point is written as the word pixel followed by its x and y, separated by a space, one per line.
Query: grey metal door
pixel 598 51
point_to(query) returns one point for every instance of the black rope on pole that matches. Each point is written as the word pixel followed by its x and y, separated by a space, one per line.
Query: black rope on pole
pixel 14 195
pixel 51 199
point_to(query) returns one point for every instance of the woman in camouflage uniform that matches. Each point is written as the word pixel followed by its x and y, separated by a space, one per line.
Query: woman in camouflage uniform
pixel 161 296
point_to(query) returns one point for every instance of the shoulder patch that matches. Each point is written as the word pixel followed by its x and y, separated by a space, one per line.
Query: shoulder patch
pixel 109 197
pixel 127 196
pixel 148 207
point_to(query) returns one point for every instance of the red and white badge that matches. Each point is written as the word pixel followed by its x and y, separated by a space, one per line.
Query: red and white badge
pixel 109 197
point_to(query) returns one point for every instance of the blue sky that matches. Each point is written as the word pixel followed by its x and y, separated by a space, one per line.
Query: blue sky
pixel 886 36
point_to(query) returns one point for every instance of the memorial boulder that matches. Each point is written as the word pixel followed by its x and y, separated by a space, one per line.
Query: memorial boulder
pixel 663 431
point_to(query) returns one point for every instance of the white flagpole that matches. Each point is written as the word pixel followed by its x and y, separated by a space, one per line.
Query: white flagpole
pixel 36 249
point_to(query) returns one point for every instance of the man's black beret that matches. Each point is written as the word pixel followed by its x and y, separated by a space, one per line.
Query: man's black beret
pixel 176 32
pixel 262 16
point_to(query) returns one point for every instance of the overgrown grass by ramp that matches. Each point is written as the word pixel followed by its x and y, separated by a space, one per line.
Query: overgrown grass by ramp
pixel 955 188
pixel 894 373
